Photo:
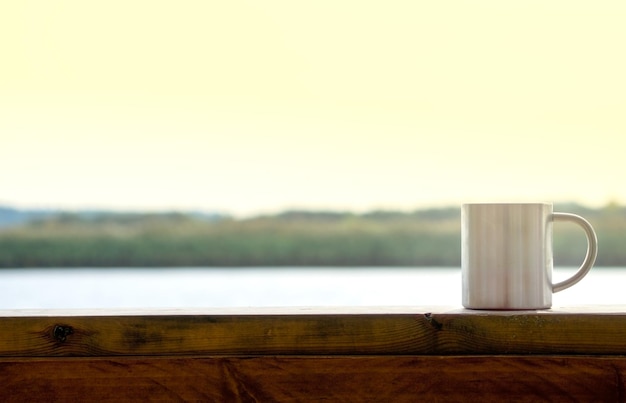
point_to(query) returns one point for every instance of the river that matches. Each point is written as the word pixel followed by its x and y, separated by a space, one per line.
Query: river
pixel 93 288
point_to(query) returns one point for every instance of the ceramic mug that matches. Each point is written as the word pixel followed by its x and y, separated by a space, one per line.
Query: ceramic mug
pixel 506 255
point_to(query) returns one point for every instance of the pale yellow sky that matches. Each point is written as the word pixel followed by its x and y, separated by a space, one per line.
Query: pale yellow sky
pixel 249 107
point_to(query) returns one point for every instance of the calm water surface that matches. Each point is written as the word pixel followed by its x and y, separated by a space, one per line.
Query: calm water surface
pixel 263 287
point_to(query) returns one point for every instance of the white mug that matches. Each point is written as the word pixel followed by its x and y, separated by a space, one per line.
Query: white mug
pixel 506 255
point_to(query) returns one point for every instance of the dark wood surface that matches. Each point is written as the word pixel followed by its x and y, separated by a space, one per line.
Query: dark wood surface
pixel 296 379
pixel 322 354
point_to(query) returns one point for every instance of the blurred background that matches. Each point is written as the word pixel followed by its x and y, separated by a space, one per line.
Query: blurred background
pixel 153 133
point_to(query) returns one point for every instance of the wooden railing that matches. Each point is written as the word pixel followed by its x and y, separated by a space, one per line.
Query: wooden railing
pixel 299 354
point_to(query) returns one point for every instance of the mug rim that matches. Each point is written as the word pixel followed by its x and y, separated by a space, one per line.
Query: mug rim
pixel 507 204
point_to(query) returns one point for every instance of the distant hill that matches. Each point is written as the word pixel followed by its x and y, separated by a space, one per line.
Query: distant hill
pixel 11 217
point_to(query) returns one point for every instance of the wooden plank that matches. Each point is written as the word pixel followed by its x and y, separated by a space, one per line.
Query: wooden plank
pixel 314 333
pixel 315 378
pixel 176 335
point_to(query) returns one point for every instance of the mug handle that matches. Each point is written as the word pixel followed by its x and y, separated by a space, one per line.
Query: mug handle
pixel 592 250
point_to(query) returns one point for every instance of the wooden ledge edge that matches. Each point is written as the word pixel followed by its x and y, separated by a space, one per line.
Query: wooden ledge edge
pixel 316 310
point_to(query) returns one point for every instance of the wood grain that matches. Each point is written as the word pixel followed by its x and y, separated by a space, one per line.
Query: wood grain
pixel 315 378
pixel 445 333
pixel 314 355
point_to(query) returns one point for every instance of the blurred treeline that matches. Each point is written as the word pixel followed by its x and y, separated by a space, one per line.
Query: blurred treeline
pixel 295 238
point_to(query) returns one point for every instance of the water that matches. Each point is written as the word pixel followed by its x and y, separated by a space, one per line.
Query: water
pixel 267 287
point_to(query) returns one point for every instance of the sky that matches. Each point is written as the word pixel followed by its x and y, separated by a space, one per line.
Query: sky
pixel 248 107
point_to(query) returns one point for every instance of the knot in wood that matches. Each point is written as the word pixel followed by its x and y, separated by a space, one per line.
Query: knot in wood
pixel 432 322
pixel 60 332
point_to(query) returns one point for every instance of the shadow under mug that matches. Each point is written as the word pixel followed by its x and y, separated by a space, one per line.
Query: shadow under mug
pixel 506 255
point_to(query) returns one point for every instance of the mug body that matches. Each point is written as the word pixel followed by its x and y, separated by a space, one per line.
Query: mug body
pixel 506 255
